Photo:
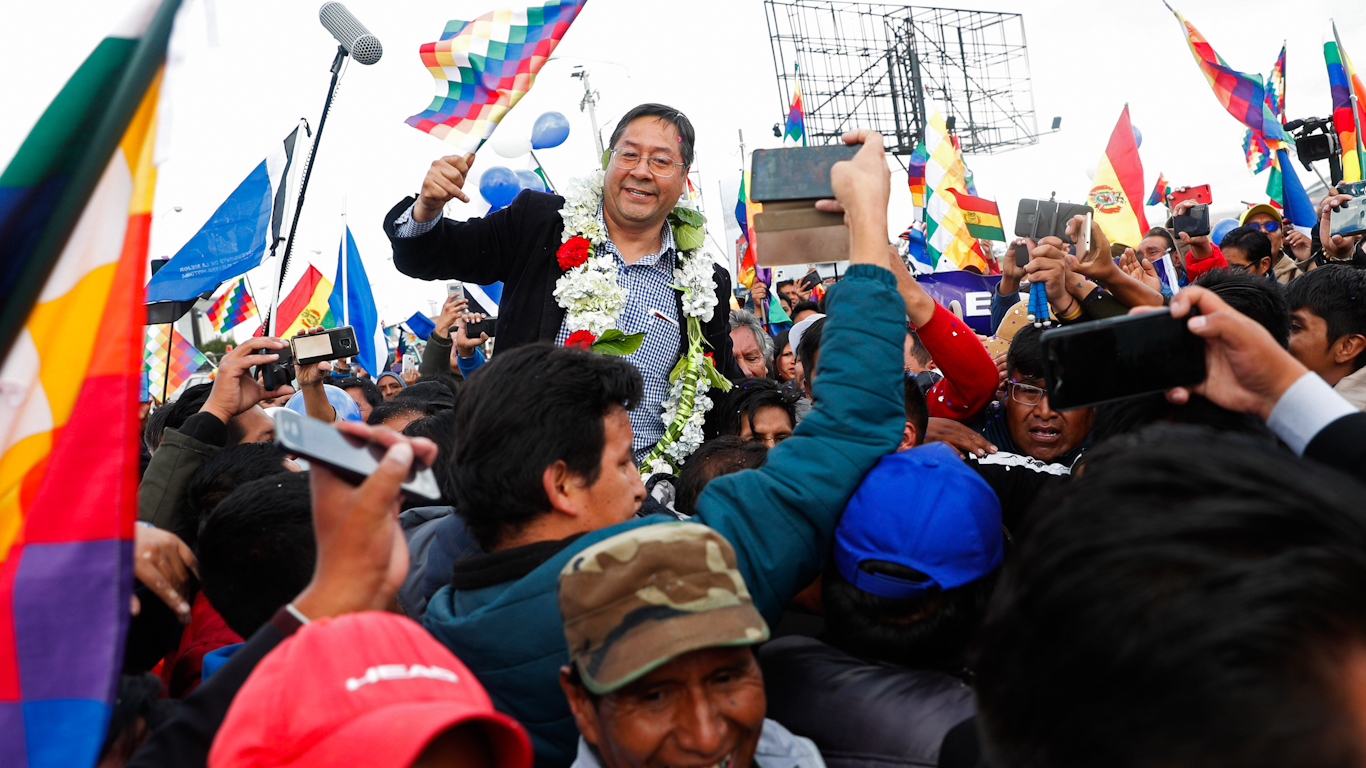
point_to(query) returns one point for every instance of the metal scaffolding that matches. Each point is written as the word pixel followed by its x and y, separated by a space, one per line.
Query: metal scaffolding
pixel 882 66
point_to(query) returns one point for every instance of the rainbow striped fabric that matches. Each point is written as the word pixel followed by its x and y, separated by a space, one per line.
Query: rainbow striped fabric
pixel 796 117
pixel 1243 95
pixel 1160 192
pixel 1343 82
pixel 484 67
pixel 232 308
pixel 168 360
pixel 915 176
pixel 69 334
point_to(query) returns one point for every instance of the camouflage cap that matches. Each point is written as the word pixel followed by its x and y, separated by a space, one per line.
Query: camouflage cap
pixel 635 601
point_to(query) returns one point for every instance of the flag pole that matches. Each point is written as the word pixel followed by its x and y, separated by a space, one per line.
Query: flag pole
pixel 166 377
pixel 1356 109
pixel 346 257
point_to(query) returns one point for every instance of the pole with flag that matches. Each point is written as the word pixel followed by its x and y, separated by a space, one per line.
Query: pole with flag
pixel 1348 93
pixel 1118 186
pixel 352 301
pixel 795 128
pixel 75 216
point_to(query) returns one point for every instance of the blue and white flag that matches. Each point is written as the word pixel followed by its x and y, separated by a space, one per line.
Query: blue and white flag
pixel 1166 272
pixel 420 325
pixel 484 299
pixel 244 230
pixel 353 304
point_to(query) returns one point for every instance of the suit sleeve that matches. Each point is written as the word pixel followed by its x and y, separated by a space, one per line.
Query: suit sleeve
pixel 480 250
pixel 1342 445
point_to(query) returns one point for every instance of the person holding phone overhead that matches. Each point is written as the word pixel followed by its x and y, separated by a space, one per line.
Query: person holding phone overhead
pixel 566 261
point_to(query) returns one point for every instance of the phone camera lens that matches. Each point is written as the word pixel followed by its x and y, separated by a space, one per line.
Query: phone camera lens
pixel 346 343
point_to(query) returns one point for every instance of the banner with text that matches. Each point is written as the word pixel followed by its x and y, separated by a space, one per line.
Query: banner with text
pixel 971 291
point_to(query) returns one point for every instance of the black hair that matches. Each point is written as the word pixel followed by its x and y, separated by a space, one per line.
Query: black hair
pixel 1025 358
pixel 918 350
pixel 527 409
pixel 712 459
pixel 174 415
pixel 809 349
pixel 219 476
pixel 138 710
pixel 1163 233
pixel 256 550
pixel 440 429
pixel 1261 299
pixel 917 409
pixel 1125 416
pixel 803 306
pixel 931 631
pixel 1337 294
pixel 781 340
pixel 669 115
pixel 367 387
pixel 737 407
pixel 781 283
pixel 396 407
pixel 1171 608
pixel 1252 241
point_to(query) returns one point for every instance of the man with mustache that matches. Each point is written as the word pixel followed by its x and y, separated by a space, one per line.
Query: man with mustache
pixel 646 173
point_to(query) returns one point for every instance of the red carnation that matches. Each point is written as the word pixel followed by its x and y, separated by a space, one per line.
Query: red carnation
pixel 573 252
pixel 583 339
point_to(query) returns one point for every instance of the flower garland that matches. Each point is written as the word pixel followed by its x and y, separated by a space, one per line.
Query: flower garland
pixel 593 299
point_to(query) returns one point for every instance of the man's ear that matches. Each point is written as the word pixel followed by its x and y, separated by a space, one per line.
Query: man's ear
pixel 585 714
pixel 908 438
pixel 560 484
pixel 1348 347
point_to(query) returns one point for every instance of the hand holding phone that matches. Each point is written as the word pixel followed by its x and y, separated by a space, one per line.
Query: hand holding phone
pixel 1191 219
pixel 362 554
pixel 352 454
pixel 1200 194
pixel 1120 357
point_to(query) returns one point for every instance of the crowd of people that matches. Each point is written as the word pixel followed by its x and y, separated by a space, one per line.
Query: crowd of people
pixel 881 547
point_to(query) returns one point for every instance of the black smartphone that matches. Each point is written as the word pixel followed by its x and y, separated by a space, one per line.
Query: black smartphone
pixel 334 344
pixel 810 280
pixel 1120 357
pixel 1021 254
pixel 796 173
pixel 352 458
pixel 1194 222
pixel 1038 219
pixel 488 325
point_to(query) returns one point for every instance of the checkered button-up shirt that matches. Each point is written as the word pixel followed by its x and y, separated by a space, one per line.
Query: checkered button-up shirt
pixel 649 295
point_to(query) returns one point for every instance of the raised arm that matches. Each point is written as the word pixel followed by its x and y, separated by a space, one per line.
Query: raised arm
pixel 781 529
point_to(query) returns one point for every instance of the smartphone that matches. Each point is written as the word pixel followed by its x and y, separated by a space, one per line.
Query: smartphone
pixel 1348 218
pixel 796 173
pixel 350 457
pixel 1037 219
pixel 1194 222
pixel 742 294
pixel 1085 248
pixel 1199 194
pixel 334 344
pixel 1021 254
pixel 810 280
pixel 454 288
pixel 488 325
pixel 1120 357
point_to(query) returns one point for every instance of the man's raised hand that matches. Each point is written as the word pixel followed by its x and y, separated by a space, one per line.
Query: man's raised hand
pixel 235 390
pixel 442 184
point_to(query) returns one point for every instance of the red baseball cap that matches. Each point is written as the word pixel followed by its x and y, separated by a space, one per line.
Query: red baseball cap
pixel 366 687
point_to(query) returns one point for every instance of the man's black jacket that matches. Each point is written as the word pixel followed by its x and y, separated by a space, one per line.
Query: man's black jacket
pixel 517 245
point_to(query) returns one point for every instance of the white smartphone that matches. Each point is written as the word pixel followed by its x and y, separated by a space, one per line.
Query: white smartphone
pixel 454 288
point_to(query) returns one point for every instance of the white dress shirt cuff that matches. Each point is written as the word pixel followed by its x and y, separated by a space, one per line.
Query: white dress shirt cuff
pixel 1305 409
pixel 405 226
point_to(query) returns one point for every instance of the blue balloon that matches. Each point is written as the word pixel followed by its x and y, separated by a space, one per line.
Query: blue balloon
pixel 1138 135
pixel 1222 227
pixel 550 130
pixel 499 185
pixel 531 181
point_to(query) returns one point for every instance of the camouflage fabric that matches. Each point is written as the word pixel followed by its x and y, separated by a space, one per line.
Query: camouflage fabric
pixel 635 601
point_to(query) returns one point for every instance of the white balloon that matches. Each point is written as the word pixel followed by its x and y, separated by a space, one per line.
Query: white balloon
pixel 510 145
pixel 1090 170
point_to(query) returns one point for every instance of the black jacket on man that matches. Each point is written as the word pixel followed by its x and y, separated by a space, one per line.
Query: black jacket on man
pixel 517 245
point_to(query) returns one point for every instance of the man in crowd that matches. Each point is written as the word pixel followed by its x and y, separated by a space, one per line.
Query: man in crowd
pixel 915 561
pixel 1248 249
pixel 390 384
pixel 543 470
pixel 752 347
pixel 1290 248
pixel 646 174
pixel 1328 327
pixel 660 629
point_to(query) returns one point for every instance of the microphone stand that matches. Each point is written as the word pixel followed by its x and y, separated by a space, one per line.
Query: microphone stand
pixel 308 170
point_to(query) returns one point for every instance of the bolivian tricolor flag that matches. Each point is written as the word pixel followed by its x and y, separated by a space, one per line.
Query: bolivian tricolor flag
pixel 71 334
pixel 1117 187
pixel 306 305
pixel 982 217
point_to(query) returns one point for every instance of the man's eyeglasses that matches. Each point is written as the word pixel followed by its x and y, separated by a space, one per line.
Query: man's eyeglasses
pixel 1265 226
pixel 659 165
pixel 1238 268
pixel 1025 394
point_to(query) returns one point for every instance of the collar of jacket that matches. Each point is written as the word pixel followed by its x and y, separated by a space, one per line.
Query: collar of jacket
pixel 504 565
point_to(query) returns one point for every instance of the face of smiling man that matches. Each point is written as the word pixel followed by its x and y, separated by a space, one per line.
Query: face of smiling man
pixel 637 199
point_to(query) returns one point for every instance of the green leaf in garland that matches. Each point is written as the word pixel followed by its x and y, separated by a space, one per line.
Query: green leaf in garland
pixel 614 342
pixel 688 217
pixel 714 377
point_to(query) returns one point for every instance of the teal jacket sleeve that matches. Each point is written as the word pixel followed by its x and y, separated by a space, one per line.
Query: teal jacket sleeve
pixel 781 518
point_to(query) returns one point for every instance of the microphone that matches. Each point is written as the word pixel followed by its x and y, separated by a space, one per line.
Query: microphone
pixel 353 36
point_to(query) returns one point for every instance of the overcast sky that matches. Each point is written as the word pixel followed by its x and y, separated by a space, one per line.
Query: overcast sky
pixel 253 67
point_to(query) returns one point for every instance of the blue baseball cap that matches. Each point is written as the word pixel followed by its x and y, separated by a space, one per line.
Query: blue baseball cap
pixel 346 408
pixel 924 509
